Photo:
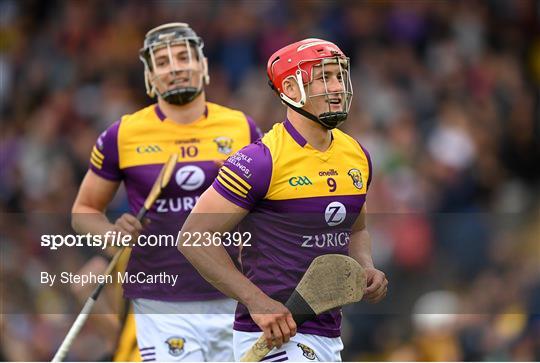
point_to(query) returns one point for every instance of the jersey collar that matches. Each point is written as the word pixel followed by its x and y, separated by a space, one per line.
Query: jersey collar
pixel 294 133
pixel 160 113
pixel 162 117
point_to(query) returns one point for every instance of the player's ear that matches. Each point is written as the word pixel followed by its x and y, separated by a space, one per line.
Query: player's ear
pixel 205 71
pixel 291 89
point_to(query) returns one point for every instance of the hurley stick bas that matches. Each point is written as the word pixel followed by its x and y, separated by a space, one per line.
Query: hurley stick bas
pixel 161 182
pixel 330 281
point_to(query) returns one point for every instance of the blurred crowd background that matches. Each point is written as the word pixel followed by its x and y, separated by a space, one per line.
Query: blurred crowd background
pixel 446 99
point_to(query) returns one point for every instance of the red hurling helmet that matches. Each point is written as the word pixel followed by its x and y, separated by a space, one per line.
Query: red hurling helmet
pixel 297 60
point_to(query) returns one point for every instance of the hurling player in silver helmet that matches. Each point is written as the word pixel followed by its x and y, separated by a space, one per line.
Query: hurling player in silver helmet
pixel 177 77
pixel 179 316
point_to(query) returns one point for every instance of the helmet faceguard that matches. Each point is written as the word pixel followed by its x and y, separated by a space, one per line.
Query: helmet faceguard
pixel 183 78
pixel 304 60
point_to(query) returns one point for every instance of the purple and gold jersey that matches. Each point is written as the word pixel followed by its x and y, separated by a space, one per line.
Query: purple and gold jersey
pixel 133 150
pixel 303 203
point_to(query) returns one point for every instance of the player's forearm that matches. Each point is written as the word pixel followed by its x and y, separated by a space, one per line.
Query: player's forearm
pixel 216 267
pixel 360 248
pixel 89 220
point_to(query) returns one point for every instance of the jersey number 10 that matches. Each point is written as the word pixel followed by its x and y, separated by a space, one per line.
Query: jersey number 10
pixel 189 151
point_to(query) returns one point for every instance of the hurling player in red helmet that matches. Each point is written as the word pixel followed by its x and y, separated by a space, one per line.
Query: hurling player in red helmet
pixel 297 193
pixel 301 68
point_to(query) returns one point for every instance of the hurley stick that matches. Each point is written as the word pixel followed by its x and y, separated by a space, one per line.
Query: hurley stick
pixel 330 281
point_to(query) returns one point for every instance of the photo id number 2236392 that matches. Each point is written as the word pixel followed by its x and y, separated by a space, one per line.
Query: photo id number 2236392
pixel 205 239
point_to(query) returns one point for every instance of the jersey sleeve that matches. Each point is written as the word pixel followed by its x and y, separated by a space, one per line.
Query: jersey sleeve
pixel 370 167
pixel 254 131
pixel 104 155
pixel 244 179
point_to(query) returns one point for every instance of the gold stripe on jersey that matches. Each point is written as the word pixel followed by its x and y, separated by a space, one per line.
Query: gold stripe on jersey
pixel 97 153
pixel 233 175
pixel 144 139
pixel 96 162
pixel 231 181
pixel 227 185
pixel 292 162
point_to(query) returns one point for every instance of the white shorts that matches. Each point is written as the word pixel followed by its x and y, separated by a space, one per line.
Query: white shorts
pixel 301 348
pixel 185 331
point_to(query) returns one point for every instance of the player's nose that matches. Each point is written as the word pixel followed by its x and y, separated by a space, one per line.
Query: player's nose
pixel 334 85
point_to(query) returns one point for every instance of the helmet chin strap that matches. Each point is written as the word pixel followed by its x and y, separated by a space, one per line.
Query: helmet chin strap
pixel 181 96
pixel 330 120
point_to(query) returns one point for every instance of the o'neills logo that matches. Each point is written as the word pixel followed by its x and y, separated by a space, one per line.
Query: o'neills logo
pixel 331 172
pixel 193 140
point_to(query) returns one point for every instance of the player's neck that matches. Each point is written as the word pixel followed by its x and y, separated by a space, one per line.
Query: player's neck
pixel 184 114
pixel 316 135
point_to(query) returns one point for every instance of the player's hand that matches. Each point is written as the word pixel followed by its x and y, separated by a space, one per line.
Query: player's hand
pixel 274 319
pixel 377 285
pixel 128 224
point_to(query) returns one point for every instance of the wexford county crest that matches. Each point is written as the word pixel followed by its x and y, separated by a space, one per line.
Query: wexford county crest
pixel 307 351
pixel 224 144
pixel 356 176
pixel 176 345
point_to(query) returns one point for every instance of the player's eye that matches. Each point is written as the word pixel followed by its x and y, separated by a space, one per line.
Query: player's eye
pixel 182 57
pixel 320 77
pixel 162 62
